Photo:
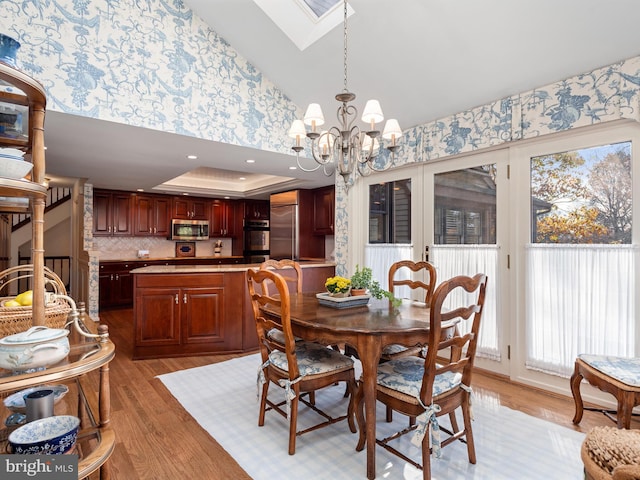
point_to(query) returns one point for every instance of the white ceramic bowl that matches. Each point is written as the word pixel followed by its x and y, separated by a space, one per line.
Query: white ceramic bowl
pixel 47 436
pixel 16 402
pixel 14 168
pixel 34 348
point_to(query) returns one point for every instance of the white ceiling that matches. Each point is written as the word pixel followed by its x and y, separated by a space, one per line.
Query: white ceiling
pixel 423 59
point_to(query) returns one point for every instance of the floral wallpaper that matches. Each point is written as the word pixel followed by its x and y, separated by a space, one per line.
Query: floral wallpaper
pixel 152 64
pixel 155 64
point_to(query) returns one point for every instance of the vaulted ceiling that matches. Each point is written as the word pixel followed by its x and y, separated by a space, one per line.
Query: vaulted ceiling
pixel 422 59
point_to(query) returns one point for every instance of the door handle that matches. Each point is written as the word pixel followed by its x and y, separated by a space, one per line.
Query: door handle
pixel 176 299
pixel 184 298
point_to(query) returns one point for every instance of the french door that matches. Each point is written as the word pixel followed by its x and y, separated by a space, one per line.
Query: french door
pixel 465 231
pixel 575 251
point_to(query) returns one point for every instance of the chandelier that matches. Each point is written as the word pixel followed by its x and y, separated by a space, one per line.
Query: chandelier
pixel 346 148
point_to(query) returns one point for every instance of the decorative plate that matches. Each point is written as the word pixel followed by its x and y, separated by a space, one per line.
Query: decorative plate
pixel 15 402
pixel 342 302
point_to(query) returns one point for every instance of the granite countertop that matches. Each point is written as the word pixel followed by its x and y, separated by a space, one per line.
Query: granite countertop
pixel 160 259
pixel 217 268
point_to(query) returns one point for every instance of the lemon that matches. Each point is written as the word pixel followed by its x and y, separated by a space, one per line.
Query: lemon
pixel 11 303
pixel 25 298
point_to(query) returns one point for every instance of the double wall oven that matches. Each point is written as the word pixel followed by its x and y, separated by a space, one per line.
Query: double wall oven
pixel 256 240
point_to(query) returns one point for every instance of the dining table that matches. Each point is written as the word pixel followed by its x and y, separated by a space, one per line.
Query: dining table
pixel 368 329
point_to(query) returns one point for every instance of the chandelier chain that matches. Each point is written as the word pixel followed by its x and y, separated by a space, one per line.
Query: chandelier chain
pixel 345 46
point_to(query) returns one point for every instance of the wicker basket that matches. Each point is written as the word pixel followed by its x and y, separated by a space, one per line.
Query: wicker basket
pixel 18 319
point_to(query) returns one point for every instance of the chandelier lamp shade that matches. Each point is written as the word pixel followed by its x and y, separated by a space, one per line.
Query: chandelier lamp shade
pixel 347 148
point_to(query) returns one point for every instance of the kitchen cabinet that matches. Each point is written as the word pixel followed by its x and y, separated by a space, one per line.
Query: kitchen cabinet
pixel 115 284
pixel 112 213
pixel 115 280
pixel 223 218
pixel 190 208
pixel 182 314
pixel 152 216
pixel 256 209
pixel 324 205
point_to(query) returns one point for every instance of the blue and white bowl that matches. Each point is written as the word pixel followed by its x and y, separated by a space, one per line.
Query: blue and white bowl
pixel 47 436
pixel 16 402
pixel 8 49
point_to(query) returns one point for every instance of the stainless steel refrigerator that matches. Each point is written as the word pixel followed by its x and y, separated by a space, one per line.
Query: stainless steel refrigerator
pixel 291 227
pixel 285 234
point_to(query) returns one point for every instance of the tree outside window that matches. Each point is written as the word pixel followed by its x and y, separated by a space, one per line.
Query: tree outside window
pixel 583 196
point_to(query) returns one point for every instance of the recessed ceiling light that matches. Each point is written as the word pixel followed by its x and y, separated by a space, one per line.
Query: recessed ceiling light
pixel 192 157
pixel 293 168
pixel 251 160
pixel 227 198
pixel 185 193
pixel 140 189
pixel 242 178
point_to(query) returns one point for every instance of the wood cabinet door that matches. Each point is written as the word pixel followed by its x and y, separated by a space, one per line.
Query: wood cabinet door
pixel 204 315
pixel 162 217
pixel 123 288
pixel 200 209
pixel 181 208
pixel 143 216
pixel 218 220
pixel 121 214
pixel 157 317
pixel 101 213
pixel 323 211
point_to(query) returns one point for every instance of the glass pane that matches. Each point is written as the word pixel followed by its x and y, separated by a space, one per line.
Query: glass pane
pixel 582 196
pixel 465 206
pixel 390 212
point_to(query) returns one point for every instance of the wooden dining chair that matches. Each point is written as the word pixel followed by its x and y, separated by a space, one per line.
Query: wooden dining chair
pixel 297 367
pixel 396 351
pixel 427 389
pixel 293 278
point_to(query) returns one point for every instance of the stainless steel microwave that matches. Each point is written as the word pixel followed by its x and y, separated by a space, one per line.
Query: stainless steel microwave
pixel 189 229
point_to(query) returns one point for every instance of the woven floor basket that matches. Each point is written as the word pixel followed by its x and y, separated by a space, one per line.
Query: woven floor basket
pixel 18 319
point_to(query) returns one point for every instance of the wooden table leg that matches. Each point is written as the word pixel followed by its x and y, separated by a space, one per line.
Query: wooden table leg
pixel 369 350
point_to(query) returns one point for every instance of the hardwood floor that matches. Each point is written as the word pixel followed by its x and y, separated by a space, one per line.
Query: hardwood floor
pixel 157 439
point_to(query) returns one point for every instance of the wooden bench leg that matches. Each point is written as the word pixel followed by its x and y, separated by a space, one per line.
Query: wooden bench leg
pixel 576 379
pixel 625 407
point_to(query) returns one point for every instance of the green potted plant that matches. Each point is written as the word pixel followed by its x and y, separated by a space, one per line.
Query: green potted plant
pixel 362 281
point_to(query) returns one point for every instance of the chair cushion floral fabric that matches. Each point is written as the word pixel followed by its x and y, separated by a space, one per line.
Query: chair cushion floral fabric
pixel 313 359
pixel 625 370
pixel 405 376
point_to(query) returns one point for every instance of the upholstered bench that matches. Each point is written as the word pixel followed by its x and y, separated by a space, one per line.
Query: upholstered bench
pixel 609 453
pixel 618 376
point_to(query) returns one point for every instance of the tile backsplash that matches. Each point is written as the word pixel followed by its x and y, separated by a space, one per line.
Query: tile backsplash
pixel 126 248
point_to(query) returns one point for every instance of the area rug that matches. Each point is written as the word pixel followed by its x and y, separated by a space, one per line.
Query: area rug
pixel 509 444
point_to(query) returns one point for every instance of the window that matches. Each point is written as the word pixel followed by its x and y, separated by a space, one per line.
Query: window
pixel 390 212
pixel 465 206
pixel 582 196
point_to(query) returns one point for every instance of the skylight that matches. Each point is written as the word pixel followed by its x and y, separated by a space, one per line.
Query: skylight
pixel 320 7
pixel 304 21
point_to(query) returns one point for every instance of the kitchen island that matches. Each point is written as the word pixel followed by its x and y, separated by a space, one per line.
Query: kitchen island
pixel 183 310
